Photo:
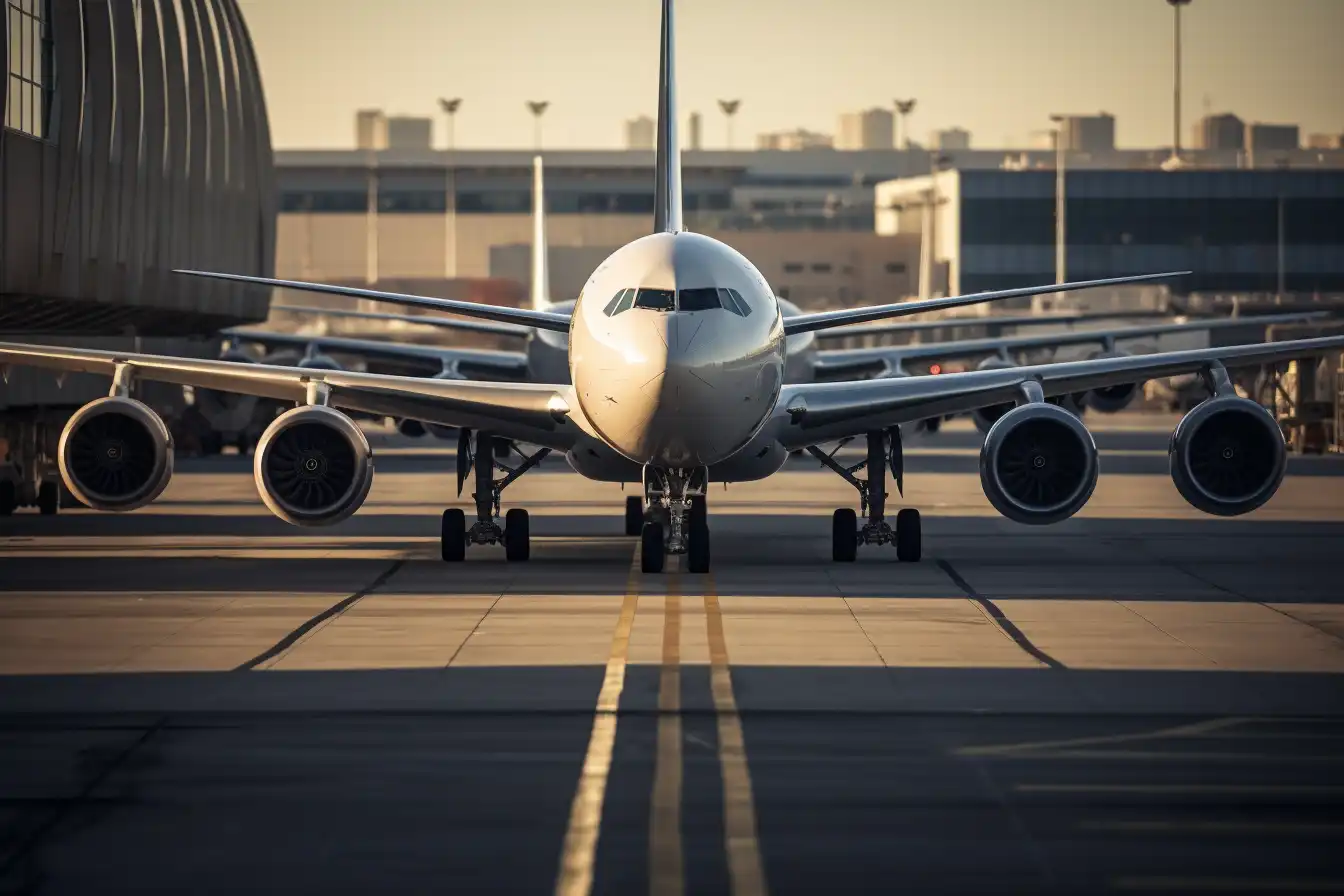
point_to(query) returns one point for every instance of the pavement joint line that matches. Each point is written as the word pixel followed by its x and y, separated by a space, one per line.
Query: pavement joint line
pixel 1194 729
pixel 479 622
pixel 331 612
pixel 997 617
pixel 66 806
pixel 667 870
pixel 578 854
pixel 1247 598
pixel 741 838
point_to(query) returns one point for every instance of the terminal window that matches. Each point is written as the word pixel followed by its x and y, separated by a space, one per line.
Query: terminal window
pixel 30 78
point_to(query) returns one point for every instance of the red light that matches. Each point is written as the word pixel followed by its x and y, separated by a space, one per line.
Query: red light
pixel 935 369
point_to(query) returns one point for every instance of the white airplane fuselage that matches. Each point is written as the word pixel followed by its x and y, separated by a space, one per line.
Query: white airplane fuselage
pixel 674 388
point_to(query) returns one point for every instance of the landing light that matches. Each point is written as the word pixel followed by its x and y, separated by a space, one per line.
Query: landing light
pixel 935 369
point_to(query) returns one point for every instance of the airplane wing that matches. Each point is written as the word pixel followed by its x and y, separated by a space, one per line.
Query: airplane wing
pixel 823 412
pixel 889 360
pixel 992 320
pixel 823 320
pixel 543 320
pixel 447 323
pixel 534 413
pixel 453 361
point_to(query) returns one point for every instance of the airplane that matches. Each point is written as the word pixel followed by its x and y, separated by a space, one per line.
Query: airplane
pixel 677 363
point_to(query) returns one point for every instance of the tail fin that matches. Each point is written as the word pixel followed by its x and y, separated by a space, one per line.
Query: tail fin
pixel 667 166
pixel 541 278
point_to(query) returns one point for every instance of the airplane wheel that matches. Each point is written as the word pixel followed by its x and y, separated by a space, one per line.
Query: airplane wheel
pixel 9 497
pixel 699 511
pixel 517 536
pixel 634 515
pixel 651 552
pixel 909 539
pixel 49 498
pixel 697 547
pixel 844 535
pixel 453 535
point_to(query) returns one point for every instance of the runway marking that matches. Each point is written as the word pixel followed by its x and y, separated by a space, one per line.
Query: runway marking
pixel 1192 730
pixel 331 612
pixel 667 872
pixel 1229 884
pixel 997 617
pixel 739 810
pixel 579 852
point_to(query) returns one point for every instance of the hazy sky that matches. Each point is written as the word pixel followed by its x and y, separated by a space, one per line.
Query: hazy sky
pixel 995 67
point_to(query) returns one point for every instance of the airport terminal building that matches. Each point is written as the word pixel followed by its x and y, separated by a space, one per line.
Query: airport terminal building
pixel 1240 231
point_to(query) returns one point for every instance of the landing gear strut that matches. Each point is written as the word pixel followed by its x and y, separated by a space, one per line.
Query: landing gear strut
pixel 884 451
pixel 515 534
pixel 676 520
pixel 28 474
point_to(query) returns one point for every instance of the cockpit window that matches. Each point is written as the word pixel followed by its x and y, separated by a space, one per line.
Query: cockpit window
pixel 698 299
pixel 733 301
pixel 619 302
pixel 611 306
pixel 656 299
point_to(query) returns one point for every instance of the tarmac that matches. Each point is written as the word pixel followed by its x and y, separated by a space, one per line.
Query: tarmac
pixel 197 697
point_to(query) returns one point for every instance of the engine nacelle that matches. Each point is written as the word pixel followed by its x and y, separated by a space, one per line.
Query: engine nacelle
pixel 319 362
pixel 228 411
pixel 1228 456
pixel 314 466
pixel 412 429
pixel 986 417
pixel 115 454
pixel 1038 464
pixel 1109 399
pixel 439 431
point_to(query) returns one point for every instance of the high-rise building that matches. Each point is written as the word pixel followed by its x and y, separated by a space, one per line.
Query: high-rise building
pixel 370 129
pixel 870 129
pixel 799 138
pixel 1262 137
pixel 1088 133
pixel 407 132
pixel 950 138
pixel 694 131
pixel 1325 141
pixel 639 133
pixel 1225 131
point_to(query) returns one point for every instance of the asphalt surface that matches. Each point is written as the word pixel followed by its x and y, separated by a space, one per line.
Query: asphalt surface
pixel 198 698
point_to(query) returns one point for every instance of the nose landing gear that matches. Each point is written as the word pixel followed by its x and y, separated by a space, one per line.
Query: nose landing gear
pixel 515 534
pixel 884 450
pixel 675 518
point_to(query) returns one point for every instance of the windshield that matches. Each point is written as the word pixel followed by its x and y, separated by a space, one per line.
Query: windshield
pixel 656 299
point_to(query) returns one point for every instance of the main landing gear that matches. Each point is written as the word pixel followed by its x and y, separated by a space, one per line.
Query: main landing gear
pixel 515 534
pixel 884 451
pixel 673 518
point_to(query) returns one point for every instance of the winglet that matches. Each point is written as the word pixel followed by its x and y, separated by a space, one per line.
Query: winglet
pixel 667 165
pixel 541 286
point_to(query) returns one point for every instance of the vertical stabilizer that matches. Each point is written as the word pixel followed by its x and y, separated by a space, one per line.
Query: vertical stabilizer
pixel 667 166
pixel 541 276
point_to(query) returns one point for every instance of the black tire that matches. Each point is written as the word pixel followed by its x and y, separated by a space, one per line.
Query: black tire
pixel 49 498
pixel 844 535
pixel 9 497
pixel 651 551
pixel 453 535
pixel 909 537
pixel 699 515
pixel 697 547
pixel 634 515
pixel 517 536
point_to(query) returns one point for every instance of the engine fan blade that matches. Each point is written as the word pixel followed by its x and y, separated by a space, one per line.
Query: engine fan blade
pixel 463 458
pixel 896 459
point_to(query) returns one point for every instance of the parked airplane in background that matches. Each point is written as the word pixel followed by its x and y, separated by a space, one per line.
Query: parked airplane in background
pixel 678 352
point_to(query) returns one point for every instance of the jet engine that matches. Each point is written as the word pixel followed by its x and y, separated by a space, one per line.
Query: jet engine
pixel 115 454
pixel 438 431
pixel 227 411
pixel 1228 456
pixel 987 416
pixel 1038 464
pixel 314 466
pixel 319 362
pixel 412 429
pixel 1109 399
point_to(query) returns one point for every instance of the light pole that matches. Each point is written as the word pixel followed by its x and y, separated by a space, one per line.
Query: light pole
pixel 450 108
pixel 928 255
pixel 1061 244
pixel 1176 111
pixel 903 108
pixel 729 108
pixel 538 108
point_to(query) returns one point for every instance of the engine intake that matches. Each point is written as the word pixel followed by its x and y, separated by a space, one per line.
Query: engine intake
pixel 1228 456
pixel 115 454
pixel 1038 464
pixel 314 466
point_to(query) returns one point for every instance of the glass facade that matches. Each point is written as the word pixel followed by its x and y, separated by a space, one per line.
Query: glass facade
pixel 498 201
pixel 30 75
